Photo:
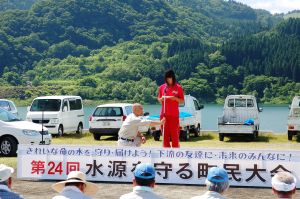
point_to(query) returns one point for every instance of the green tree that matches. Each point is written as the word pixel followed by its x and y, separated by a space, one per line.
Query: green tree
pixel 88 81
pixel 12 78
pixel 198 88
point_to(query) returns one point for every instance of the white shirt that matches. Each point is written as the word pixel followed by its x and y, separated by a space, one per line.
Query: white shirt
pixel 71 192
pixel 210 195
pixel 130 126
pixel 141 192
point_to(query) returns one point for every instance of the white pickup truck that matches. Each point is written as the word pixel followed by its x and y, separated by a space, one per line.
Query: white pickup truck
pixel 294 118
pixel 189 119
pixel 240 117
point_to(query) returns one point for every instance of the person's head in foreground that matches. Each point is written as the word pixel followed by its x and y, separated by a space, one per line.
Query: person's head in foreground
pixel 137 109
pixel 6 182
pixel 217 183
pixel 143 182
pixel 217 180
pixel 170 77
pixel 144 175
pixel 284 185
pixel 76 186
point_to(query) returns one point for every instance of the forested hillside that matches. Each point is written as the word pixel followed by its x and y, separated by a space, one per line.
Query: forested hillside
pixel 274 53
pixel 118 50
pixel 56 29
pixel 292 14
pixel 16 4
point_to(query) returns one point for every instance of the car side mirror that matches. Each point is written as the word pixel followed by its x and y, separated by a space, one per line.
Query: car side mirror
pixel 146 114
pixel 260 109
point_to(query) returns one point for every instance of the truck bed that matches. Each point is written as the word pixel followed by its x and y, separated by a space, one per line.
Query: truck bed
pixel 236 117
pixel 235 128
pixel 185 119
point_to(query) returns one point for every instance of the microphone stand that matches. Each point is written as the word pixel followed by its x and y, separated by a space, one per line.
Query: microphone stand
pixel 43 142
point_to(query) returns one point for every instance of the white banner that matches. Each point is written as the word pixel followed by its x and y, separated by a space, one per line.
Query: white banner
pixel 174 166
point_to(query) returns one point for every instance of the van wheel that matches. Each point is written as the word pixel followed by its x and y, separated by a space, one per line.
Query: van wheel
pixel 290 135
pixel 221 137
pixel 60 131
pixel 8 146
pixel 156 135
pixel 185 135
pixel 79 129
pixel 97 136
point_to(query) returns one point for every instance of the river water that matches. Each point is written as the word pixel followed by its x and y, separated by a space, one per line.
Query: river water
pixel 273 118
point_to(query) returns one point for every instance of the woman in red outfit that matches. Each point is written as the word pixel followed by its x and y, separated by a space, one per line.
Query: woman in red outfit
pixel 170 95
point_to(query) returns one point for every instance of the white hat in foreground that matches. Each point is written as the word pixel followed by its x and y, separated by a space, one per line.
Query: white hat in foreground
pixel 5 172
pixel 77 176
pixel 284 181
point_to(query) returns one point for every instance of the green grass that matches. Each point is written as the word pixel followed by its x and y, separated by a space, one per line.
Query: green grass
pixel 11 161
pixel 210 140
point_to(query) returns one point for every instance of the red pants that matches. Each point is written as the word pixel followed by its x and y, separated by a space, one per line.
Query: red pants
pixel 170 132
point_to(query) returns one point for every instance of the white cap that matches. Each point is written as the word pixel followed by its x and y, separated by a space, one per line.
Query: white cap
pixel 5 172
pixel 77 176
pixel 284 181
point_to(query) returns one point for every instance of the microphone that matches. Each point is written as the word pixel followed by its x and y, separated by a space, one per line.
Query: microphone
pixel 165 90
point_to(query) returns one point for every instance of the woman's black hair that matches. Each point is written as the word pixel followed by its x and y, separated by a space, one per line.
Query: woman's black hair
pixel 170 74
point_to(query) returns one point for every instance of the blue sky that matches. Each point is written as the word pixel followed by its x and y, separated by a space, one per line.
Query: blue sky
pixel 273 6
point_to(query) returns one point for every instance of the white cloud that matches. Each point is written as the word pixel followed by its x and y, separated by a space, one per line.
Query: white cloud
pixel 274 6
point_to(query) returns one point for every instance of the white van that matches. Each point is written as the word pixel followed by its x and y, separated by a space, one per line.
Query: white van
pixel 294 118
pixel 240 117
pixel 60 114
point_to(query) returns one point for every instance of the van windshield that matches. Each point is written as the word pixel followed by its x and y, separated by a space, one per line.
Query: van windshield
pixel 46 105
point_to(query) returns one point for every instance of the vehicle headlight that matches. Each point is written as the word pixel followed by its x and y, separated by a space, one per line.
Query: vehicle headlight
pixel 54 121
pixel 30 132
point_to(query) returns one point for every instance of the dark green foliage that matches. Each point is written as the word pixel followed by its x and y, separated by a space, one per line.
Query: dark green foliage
pixel 290 27
pixel 58 28
pixel 90 82
pixel 118 50
pixel 16 4
pixel 184 55
pixel 274 53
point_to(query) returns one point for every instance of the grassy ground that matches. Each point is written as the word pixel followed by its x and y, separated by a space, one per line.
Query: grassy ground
pixel 210 140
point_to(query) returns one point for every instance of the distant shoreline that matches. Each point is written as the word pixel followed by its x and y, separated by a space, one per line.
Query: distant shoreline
pixel 27 102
